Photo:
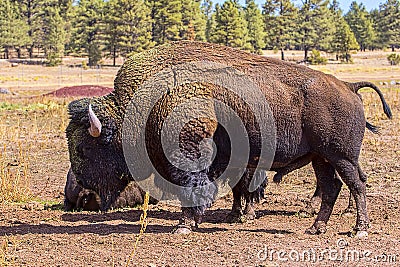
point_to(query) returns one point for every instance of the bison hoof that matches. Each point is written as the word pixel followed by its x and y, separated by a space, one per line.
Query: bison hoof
pixel 181 229
pixel 317 228
pixel 235 218
pixel 361 234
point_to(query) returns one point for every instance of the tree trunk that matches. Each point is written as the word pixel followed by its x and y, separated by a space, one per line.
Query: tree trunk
pixel 392 48
pixel 30 50
pixel 282 54
pixel 114 55
pixel 305 53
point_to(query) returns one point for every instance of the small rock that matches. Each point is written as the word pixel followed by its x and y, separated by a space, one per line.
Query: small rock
pixel 392 82
pixel 33 206
pixel 4 91
pixel 14 64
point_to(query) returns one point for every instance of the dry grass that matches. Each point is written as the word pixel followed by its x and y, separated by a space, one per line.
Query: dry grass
pixel 26 128
pixel 8 246
pixel 143 225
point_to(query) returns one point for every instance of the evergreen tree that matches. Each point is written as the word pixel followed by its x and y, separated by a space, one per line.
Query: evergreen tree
pixel 388 21
pixel 34 12
pixel 193 21
pixel 30 10
pixel 361 25
pixel 207 8
pixel 316 26
pixel 335 8
pixel 89 29
pixel 54 34
pixel 230 25
pixel 128 27
pixel 344 40
pixel 280 24
pixel 13 29
pixel 255 26
pixel 167 20
pixel 377 41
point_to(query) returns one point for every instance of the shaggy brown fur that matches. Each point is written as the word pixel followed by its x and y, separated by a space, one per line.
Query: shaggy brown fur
pixel 315 114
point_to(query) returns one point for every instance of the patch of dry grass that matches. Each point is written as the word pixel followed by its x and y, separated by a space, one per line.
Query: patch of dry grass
pixel 8 246
pixel 27 126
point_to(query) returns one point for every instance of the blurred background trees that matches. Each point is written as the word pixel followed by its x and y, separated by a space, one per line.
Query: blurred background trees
pixel 95 29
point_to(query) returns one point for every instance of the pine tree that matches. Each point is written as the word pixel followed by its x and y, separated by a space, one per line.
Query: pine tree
pixel 344 40
pixel 167 20
pixel 128 27
pixel 13 29
pixel 33 13
pixel 30 10
pixel 230 25
pixel 388 21
pixel 280 24
pixel 89 29
pixel 255 26
pixel 193 21
pixel 54 35
pixel 361 25
pixel 335 8
pixel 316 26
pixel 207 8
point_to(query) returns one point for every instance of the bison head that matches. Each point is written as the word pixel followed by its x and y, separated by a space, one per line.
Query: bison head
pixel 95 149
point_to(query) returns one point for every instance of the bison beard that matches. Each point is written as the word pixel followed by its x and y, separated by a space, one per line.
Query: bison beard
pixel 317 117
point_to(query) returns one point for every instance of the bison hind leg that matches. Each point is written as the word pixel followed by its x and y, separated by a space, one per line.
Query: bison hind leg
pixel 330 188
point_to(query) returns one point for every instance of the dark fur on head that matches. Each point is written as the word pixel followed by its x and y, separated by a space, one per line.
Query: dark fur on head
pixel 79 198
pixel 93 159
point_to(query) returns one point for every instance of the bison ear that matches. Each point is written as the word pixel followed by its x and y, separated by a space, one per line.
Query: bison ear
pixel 95 124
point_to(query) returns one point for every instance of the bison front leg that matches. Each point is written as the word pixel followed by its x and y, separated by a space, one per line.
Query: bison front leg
pixel 236 214
pixel 330 188
pixel 241 192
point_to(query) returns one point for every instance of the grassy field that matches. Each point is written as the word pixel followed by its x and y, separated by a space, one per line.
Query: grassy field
pixel 34 231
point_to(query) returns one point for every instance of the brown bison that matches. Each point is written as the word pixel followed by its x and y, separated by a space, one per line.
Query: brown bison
pixel 317 118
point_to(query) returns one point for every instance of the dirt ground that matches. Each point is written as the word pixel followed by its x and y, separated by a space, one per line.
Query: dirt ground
pixel 37 232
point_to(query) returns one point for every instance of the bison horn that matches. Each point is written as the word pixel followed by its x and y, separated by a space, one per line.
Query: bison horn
pixel 95 124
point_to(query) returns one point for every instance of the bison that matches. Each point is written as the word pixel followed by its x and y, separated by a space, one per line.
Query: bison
pixel 316 116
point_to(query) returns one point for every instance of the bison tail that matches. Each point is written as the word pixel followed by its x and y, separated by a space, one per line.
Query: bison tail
pixel 386 109
pixel 372 128
pixel 357 86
